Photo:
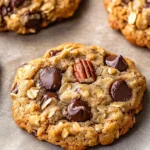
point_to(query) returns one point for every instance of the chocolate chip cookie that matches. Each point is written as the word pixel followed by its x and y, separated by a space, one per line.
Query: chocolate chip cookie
pixel 132 18
pixel 77 96
pixel 29 16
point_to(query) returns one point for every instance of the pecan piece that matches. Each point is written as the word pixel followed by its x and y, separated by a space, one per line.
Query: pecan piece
pixel 84 71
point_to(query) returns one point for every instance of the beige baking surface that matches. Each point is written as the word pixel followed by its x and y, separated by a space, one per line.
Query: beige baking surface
pixel 89 26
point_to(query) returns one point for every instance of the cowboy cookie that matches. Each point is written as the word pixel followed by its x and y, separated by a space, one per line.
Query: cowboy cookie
pixel 29 16
pixel 77 96
pixel 131 17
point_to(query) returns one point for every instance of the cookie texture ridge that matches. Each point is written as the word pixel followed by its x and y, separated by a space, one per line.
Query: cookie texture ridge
pixel 77 96
pixel 131 17
pixel 29 16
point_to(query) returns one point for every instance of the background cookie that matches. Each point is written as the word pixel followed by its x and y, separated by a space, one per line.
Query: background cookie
pixel 77 96
pixel 132 18
pixel 28 16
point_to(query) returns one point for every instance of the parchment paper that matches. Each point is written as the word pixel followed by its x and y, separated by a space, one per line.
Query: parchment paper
pixel 89 26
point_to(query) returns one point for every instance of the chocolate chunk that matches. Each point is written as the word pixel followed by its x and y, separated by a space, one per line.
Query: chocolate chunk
pixel 17 3
pixel 54 52
pixel 79 111
pixel 15 89
pixel 50 78
pixel 120 91
pixel 117 62
pixel 33 20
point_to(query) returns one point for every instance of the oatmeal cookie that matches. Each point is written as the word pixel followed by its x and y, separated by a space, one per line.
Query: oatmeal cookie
pixel 29 16
pixel 131 17
pixel 77 96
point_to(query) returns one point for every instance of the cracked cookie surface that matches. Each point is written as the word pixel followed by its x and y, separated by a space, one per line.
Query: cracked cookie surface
pixel 77 96
pixel 132 18
pixel 29 16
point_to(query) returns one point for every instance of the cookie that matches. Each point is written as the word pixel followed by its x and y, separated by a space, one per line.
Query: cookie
pixel 29 16
pixel 77 96
pixel 131 17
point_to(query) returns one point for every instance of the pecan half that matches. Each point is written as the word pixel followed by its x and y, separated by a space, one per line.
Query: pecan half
pixel 84 71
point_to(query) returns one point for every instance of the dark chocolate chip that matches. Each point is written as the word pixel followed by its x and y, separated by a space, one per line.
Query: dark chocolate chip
pixel 54 52
pixel 120 91
pixel 117 62
pixel 33 20
pixel 50 78
pixel 79 111
pixel 15 89
pixel 17 3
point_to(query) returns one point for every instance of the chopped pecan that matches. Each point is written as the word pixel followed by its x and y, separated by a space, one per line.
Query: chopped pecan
pixel 84 71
